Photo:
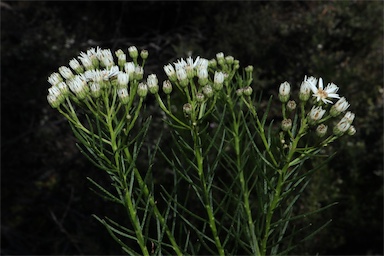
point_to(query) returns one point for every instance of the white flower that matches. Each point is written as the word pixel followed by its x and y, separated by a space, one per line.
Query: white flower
pixel 284 91
pixel 75 65
pixel 122 79
pixel 316 114
pixel 106 58
pixel 114 71
pixel 181 74
pixel 169 70
pixel 129 68
pixel 86 61
pixel 95 89
pixel 349 116
pixel 66 72
pixel 322 93
pixel 340 106
pixel 123 95
pixel 305 88
pixel 132 50
pixel 219 77
pixel 152 84
pixel 54 79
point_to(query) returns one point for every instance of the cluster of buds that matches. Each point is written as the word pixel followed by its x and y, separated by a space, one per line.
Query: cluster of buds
pixel 95 73
pixel 322 108
pixel 201 80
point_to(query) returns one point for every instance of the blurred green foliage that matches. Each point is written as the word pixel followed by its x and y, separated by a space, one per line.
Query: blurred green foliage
pixel 46 202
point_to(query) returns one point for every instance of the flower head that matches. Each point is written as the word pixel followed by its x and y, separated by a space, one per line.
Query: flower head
pixel 340 106
pixel 316 114
pixel 284 91
pixel 322 93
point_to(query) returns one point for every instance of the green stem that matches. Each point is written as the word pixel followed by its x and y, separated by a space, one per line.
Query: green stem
pixel 152 202
pixel 206 192
pixel 127 196
pixel 280 183
pixel 244 186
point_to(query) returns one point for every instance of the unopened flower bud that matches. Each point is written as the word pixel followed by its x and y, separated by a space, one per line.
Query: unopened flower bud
pixel 139 72
pixel 200 97
pixel 53 101
pixel 54 79
pixel 321 130
pixel 212 63
pixel 66 72
pixel 349 116
pixel 95 90
pixel 291 105
pixel 106 58
pixel 167 87
pixel 187 108
pixel 305 89
pixel 249 69
pixel 56 92
pixel 63 87
pixel 351 131
pixel 75 65
pixel 152 84
pixel 247 91
pixel 182 77
pixel 284 91
pixel 316 114
pixel 229 59
pixel 129 68
pixel 86 61
pixel 239 92
pixel 286 124
pixel 123 95
pixel 341 127
pixel 218 81
pixel 144 54
pixel 122 59
pixel 133 52
pixel 202 74
pixel 122 80
pixel 142 90
pixel 170 72
pixel 208 91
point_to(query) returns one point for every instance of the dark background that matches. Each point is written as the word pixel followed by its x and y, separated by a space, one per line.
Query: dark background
pixel 46 203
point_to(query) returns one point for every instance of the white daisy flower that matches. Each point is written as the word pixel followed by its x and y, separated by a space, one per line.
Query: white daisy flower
pixel 322 93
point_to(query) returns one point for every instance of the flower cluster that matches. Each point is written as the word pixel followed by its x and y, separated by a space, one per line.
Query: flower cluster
pixel 95 73
pixel 322 108
pixel 200 80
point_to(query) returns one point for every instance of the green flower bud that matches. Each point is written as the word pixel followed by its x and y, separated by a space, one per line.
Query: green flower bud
pixel 247 91
pixel 142 90
pixel 187 108
pixel 286 124
pixel 321 130
pixel 152 84
pixel 144 54
pixel 123 95
pixel 133 53
pixel 207 90
pixel 167 87
pixel 291 105
pixel 284 91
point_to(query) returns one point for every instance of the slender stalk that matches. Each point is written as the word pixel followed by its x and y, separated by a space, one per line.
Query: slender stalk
pixel 200 165
pixel 244 186
pixel 127 196
pixel 277 196
pixel 152 202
